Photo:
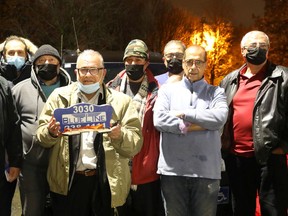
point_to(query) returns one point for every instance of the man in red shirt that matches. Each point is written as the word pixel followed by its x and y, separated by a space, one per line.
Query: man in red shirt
pixel 255 135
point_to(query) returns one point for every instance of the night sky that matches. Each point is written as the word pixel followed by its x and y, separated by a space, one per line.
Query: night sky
pixel 240 11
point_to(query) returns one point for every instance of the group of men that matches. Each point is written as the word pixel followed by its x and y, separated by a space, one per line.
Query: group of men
pixel 162 155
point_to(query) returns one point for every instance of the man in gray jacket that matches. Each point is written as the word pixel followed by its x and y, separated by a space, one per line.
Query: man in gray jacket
pixel 31 95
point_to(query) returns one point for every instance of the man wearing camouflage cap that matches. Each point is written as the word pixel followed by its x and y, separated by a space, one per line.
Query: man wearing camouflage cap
pixel 138 82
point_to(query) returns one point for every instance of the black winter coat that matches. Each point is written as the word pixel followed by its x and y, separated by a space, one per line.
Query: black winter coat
pixel 10 133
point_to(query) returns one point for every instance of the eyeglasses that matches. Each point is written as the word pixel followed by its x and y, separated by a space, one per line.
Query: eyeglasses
pixel 169 56
pixel 93 70
pixel 191 62
pixel 256 44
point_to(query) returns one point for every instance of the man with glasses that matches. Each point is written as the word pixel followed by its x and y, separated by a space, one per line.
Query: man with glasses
pixel 173 55
pixel 255 135
pixel 189 114
pixel 138 82
pixel 30 96
pixel 88 174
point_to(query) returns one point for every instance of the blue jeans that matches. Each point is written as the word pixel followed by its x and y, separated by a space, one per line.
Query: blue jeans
pixel 187 196
pixel 246 177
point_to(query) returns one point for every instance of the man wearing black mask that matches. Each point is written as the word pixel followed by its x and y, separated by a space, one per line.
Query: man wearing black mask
pixel 173 55
pixel 255 134
pixel 138 82
pixel 30 96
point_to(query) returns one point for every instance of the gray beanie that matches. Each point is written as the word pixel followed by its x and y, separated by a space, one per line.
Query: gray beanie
pixel 46 49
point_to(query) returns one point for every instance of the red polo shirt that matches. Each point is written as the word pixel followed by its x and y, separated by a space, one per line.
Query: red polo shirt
pixel 243 104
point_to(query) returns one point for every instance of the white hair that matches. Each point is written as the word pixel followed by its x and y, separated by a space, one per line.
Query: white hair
pixel 253 33
pixel 90 52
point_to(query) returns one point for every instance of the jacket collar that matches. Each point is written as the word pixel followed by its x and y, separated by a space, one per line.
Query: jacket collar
pixel 272 71
pixel 65 78
pixel 153 84
pixel 194 86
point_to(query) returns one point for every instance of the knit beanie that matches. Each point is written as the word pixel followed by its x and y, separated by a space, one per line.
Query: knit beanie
pixel 46 49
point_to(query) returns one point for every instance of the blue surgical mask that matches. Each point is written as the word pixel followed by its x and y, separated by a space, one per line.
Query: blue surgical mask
pixel 17 61
pixel 88 89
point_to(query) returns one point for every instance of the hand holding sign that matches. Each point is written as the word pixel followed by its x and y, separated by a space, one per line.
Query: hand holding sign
pixel 82 117
pixel 54 127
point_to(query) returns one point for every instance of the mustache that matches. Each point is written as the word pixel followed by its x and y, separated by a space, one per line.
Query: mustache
pixel 88 80
pixel 192 70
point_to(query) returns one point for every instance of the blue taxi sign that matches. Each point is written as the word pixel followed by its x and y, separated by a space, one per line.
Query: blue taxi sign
pixel 83 114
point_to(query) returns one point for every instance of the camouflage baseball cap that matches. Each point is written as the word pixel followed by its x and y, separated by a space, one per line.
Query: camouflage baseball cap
pixel 137 48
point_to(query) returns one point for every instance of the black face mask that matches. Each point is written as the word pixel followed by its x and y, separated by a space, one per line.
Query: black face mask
pixel 256 56
pixel 134 72
pixel 174 66
pixel 47 71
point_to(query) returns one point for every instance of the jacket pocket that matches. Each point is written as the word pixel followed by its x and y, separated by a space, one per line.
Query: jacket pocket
pixel 37 154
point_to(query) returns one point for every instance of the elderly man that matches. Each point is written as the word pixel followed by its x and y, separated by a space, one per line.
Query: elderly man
pixel 84 179
pixel 173 55
pixel 189 114
pixel 16 59
pixel 138 82
pixel 255 135
pixel 31 95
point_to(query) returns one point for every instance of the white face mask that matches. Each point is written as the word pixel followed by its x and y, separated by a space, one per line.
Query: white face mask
pixel 17 61
pixel 88 89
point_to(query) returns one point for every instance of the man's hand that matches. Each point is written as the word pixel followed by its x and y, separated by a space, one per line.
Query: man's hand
pixel 190 126
pixel 54 127
pixel 13 173
pixel 195 127
pixel 115 132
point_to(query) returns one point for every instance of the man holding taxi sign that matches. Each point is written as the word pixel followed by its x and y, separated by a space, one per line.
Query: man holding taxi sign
pixel 88 172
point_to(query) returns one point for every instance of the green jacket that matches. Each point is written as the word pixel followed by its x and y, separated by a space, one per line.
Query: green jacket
pixel 117 152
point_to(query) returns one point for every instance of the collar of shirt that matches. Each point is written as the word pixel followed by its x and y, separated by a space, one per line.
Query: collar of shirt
pixel 94 99
pixel 194 86
pixel 260 75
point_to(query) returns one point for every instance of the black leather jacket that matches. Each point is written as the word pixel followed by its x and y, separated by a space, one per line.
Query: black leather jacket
pixel 270 113
pixel 10 133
